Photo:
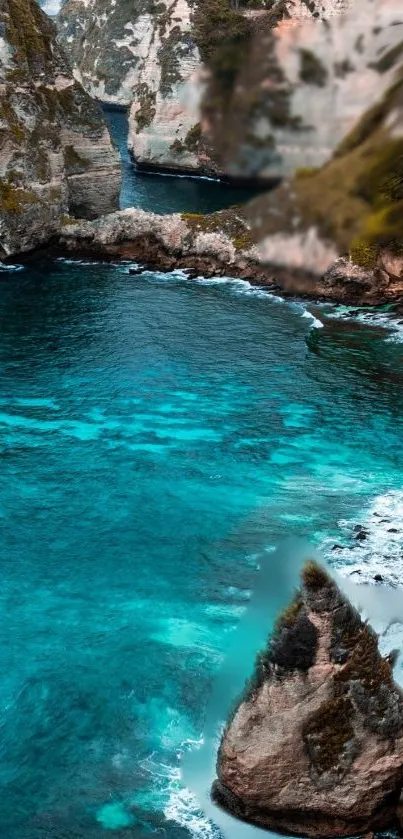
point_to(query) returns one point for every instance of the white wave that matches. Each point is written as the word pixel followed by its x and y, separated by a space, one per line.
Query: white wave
pixel 186 175
pixel 316 323
pixel 240 287
pixel 76 261
pixel 381 549
pixel 7 268
pixel 183 808
pixel 370 317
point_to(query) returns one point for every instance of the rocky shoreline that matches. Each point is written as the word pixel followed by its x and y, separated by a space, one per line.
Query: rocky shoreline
pixel 219 245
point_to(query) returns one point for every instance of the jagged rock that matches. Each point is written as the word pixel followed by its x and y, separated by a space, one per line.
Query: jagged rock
pixel 315 746
pixel 56 155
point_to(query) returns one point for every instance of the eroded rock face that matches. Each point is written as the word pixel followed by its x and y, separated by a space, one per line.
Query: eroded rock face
pixel 315 746
pixel 56 155
pixel 144 55
pixel 304 84
pixel 167 61
pixel 221 244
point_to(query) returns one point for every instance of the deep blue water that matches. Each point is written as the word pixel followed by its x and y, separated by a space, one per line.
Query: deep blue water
pixel 164 193
pixel 156 435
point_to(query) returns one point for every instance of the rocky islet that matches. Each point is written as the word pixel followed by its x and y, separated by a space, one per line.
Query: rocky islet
pixel 315 744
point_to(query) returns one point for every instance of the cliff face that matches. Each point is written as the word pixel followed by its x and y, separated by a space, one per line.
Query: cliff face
pixel 56 156
pixel 304 83
pixel 210 89
pixel 335 232
pixel 143 54
pixel 315 747
pixel 352 205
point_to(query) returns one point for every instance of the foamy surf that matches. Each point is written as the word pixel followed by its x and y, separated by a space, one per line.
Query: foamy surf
pixel 315 322
pixel 183 809
pixel 10 268
pixel 386 320
pixel 374 545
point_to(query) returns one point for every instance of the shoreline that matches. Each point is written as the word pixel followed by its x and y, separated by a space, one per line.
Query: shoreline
pixel 289 282
pixel 221 245
pixel 223 178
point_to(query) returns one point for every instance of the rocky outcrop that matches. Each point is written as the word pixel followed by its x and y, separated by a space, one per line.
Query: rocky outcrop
pixel 221 244
pixel 334 233
pixel 56 155
pixel 315 746
pixel 351 207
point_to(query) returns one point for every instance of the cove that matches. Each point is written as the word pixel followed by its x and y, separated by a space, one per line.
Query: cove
pixel 168 193
pixel 157 435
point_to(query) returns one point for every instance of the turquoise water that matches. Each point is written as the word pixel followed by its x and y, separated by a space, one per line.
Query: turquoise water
pixel 164 193
pixel 156 436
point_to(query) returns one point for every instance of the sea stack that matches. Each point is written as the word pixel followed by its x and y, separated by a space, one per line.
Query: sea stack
pixel 315 746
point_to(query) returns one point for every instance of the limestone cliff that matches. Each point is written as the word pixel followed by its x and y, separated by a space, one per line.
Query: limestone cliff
pixel 303 84
pixel 352 206
pixel 56 155
pixel 315 746
pixel 191 70
pixel 143 54
pixel 335 232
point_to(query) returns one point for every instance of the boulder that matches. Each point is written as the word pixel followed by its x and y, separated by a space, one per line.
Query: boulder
pixel 315 745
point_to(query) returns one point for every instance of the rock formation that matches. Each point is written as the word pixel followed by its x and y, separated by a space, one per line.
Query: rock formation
pixel 252 93
pixel 315 746
pixel 56 155
pixel 303 84
pixel 143 54
pixel 334 233
pixel 352 206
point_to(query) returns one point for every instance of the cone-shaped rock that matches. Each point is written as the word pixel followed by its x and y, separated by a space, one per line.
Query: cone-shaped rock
pixel 315 746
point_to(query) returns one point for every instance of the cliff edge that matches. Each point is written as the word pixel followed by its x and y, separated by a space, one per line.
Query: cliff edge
pixel 315 746
pixel 56 155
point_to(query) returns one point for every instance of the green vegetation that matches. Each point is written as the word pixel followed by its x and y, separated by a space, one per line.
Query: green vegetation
pixel 30 33
pixel 356 200
pixel 146 112
pixel 9 121
pixel 169 59
pixel 190 143
pixel 306 172
pixel 327 733
pixel 193 137
pixel 364 662
pixel 74 163
pixel 314 577
pixel 15 199
pixel 222 36
pixel 229 222
pixel 177 147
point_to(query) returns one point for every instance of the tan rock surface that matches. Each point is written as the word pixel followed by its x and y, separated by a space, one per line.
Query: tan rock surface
pixel 315 747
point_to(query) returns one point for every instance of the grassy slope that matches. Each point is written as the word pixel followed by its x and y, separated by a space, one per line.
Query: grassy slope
pixel 355 200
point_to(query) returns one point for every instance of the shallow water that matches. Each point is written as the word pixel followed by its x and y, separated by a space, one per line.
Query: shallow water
pixel 156 435
pixel 166 193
